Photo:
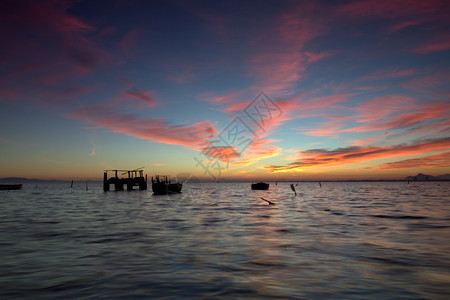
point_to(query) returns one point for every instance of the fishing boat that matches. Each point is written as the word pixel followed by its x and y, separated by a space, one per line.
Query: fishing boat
pixel 162 185
pixel 7 187
pixel 260 186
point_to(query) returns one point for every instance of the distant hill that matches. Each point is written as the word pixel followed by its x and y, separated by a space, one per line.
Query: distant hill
pixel 25 180
pixel 424 177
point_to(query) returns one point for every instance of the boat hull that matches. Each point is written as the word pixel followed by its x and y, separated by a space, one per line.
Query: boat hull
pixel 164 189
pixel 260 186
pixel 8 187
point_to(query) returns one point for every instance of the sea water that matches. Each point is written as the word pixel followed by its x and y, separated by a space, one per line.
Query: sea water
pixel 341 240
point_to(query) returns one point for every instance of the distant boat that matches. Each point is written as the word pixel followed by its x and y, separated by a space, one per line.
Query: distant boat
pixel 162 185
pixel 260 186
pixel 8 187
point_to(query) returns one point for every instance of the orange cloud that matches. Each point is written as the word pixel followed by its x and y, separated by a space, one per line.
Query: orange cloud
pixel 223 153
pixel 258 150
pixel 432 161
pixel 350 155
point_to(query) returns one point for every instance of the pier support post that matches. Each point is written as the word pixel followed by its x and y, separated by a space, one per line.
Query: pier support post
pixel 105 182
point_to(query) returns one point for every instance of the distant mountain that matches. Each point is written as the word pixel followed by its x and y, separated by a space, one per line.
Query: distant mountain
pixel 9 180
pixel 25 180
pixel 444 177
pixel 424 177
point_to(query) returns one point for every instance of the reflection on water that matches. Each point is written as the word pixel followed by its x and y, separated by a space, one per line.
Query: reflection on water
pixel 341 240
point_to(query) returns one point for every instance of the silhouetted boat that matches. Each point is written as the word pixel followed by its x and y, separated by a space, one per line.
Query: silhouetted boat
pixel 5 187
pixel 162 185
pixel 260 186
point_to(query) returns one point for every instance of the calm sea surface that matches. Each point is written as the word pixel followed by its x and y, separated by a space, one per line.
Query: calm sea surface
pixel 384 240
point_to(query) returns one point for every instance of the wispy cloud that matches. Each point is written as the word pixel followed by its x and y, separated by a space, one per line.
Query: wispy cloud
pixel 370 140
pixel 153 129
pixel 52 161
pixel 259 150
pixel 127 45
pixel 92 151
pixel 144 95
pixel 11 143
pixel 280 57
pixel 384 74
pixel 408 119
pixel 360 154
pixel 59 52
pixel 392 112
pixel 440 160
pixel 223 153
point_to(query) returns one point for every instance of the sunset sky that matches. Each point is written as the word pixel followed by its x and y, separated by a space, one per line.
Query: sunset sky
pixel 311 89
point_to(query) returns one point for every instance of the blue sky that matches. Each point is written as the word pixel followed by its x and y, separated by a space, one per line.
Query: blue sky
pixel 361 88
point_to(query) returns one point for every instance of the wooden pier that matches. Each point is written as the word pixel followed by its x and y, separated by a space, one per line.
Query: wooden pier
pixel 135 178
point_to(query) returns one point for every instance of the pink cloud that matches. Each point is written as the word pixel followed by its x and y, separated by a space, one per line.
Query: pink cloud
pixel 423 10
pixel 435 45
pixel 153 129
pixel 226 98
pixel 46 46
pixel 370 140
pixel 382 107
pixel 328 128
pixel 128 43
pixel 383 113
pixel 388 74
pixel 280 56
pixel 313 57
pixel 144 95
pixel 428 83
pixel 184 76
pixel 424 15
pixel 301 105
pixel 421 113
pixel 401 25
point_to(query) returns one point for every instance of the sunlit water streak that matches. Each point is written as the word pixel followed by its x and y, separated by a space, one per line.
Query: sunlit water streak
pixel 342 240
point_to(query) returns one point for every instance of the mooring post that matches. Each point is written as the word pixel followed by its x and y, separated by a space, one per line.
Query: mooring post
pixel 105 182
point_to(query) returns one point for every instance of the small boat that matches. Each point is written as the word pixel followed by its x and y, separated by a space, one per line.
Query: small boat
pixel 260 186
pixel 162 185
pixel 7 187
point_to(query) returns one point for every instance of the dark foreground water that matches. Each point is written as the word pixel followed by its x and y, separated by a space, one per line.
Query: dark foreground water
pixel 342 241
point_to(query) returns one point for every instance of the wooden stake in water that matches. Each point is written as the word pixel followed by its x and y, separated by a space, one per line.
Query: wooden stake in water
pixel 293 188
pixel 71 184
pixel 268 201
pixel 86 186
